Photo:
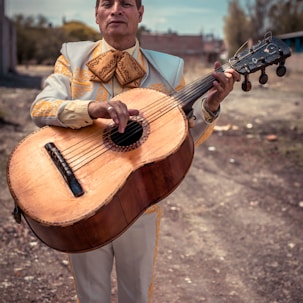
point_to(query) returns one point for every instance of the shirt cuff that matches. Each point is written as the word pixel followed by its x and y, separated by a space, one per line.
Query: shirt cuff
pixel 209 116
pixel 75 114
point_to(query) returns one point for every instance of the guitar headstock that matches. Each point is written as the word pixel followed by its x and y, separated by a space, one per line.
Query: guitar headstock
pixel 267 52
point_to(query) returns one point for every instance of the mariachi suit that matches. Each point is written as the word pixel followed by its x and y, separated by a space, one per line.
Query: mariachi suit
pixel 63 102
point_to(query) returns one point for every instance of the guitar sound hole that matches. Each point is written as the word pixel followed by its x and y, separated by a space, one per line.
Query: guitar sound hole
pixel 133 132
pixel 136 133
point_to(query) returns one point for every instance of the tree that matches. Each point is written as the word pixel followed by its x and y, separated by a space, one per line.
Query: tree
pixel 78 31
pixel 40 42
pixel 237 28
pixel 142 29
pixel 42 21
pixel 48 50
pixel 258 16
pixel 25 37
pixel 286 16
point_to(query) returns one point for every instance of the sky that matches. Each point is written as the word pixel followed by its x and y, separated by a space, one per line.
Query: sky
pixel 181 16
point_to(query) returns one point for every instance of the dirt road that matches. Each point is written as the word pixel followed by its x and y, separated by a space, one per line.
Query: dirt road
pixel 232 231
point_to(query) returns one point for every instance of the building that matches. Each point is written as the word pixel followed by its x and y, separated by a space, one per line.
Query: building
pixel 8 48
pixel 295 41
pixel 206 48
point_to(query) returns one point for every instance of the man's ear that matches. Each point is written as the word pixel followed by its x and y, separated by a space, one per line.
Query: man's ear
pixel 96 18
pixel 141 12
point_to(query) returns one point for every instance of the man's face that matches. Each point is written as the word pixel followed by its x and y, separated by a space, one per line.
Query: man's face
pixel 118 18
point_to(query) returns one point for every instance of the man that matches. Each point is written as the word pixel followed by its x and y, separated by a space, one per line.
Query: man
pixel 79 91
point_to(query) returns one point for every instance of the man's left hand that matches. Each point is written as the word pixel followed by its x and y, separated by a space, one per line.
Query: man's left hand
pixel 222 86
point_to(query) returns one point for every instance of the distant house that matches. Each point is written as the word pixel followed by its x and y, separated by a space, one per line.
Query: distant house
pixel 8 48
pixel 207 48
pixel 295 42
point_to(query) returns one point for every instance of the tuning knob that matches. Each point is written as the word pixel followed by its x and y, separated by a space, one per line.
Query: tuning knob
pixel 281 70
pixel 246 84
pixel 263 77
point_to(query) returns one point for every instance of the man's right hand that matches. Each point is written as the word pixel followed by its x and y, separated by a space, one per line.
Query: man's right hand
pixel 115 110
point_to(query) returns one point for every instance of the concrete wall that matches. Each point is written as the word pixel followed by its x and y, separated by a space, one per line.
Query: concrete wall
pixel 8 48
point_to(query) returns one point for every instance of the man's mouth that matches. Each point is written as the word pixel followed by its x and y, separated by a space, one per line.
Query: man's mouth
pixel 115 22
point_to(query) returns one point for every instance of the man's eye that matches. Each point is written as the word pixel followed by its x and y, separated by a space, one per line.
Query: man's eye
pixel 127 4
pixel 105 4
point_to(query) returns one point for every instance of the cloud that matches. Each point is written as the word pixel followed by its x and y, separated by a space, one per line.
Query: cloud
pixel 177 11
pixel 160 15
pixel 183 19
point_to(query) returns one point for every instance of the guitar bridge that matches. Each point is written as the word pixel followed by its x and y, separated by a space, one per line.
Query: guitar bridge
pixel 64 169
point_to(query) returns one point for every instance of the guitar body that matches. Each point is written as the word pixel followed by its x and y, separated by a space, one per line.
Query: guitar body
pixel 119 182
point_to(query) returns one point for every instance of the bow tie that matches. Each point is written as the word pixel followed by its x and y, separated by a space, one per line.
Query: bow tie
pixel 116 63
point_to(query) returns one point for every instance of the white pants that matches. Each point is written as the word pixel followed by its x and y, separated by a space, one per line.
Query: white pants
pixel 134 253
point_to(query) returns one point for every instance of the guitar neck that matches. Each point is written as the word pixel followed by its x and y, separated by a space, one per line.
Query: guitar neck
pixel 267 52
pixel 190 93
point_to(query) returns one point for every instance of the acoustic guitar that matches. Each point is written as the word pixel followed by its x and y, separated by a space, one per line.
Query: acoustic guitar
pixel 80 189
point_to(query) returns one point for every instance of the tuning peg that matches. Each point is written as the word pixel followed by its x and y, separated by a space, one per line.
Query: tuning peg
pixel 281 70
pixel 263 77
pixel 246 84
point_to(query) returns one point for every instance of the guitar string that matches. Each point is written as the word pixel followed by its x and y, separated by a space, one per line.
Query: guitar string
pixel 184 95
pixel 181 97
pixel 169 106
pixel 93 149
pixel 227 65
pixel 187 88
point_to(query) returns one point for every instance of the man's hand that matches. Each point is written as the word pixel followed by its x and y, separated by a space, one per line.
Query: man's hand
pixel 115 110
pixel 222 86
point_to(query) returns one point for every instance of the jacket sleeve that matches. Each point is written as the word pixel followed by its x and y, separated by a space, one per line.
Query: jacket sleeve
pixel 55 100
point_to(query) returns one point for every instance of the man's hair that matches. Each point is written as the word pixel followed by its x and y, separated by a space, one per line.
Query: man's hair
pixel 138 3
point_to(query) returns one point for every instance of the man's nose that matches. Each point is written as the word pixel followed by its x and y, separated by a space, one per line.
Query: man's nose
pixel 116 8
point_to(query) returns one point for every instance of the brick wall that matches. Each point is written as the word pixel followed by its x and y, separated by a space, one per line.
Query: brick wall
pixel 183 45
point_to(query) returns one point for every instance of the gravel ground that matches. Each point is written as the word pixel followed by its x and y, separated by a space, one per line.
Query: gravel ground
pixel 231 232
